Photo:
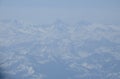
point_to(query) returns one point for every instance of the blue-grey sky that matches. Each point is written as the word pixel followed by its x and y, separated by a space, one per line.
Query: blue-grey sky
pixel 71 11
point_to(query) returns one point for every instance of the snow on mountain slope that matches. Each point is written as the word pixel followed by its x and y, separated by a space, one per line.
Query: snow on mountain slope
pixel 59 51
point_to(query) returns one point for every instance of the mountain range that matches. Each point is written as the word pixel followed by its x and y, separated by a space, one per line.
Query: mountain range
pixel 59 50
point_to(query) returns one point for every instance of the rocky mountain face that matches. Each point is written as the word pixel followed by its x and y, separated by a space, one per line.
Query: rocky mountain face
pixel 59 51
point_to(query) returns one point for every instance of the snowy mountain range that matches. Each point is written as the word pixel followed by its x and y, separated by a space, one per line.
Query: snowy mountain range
pixel 59 51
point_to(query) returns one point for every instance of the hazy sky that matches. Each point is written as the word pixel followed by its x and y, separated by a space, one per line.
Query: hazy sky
pixel 71 11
